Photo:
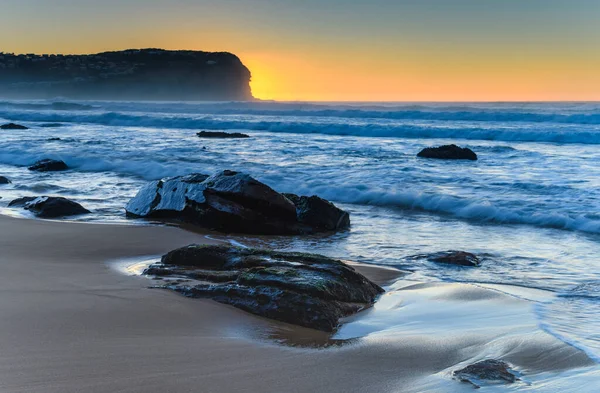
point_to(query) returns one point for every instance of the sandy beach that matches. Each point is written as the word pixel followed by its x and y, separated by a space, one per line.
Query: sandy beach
pixel 72 323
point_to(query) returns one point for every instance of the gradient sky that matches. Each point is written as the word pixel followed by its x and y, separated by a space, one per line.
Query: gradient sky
pixel 344 50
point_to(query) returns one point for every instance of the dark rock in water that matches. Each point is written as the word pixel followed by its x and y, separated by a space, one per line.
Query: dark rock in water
pixel 460 258
pixel 21 201
pixel 448 152
pixel 13 126
pixel 53 139
pixel 221 135
pixel 4 180
pixel 48 166
pixel 234 202
pixel 490 371
pixel 318 213
pixel 303 289
pixel 49 207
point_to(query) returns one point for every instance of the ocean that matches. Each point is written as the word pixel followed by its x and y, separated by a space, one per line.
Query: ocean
pixel 530 206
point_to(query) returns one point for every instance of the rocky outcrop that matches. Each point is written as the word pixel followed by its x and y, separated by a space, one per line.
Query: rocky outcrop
pixel 302 289
pixel 448 152
pixel 231 201
pixel 135 74
pixel 49 207
pixel 221 135
pixel 4 180
pixel 13 126
pixel 488 371
pixel 48 165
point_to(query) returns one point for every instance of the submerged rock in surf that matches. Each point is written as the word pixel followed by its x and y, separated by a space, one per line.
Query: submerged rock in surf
pixel 448 152
pixel 458 258
pixel 4 180
pixel 231 201
pixel 49 207
pixel 302 289
pixel 13 126
pixel 221 135
pixel 489 371
pixel 48 165
pixel 319 213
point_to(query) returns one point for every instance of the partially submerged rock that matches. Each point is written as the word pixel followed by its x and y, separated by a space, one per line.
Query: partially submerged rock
pixel 48 165
pixel 49 207
pixel 460 258
pixel 4 180
pixel 55 139
pixel 319 213
pixel 13 126
pixel 302 289
pixel 487 371
pixel 448 152
pixel 221 135
pixel 235 202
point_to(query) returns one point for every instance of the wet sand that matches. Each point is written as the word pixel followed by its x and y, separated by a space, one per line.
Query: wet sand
pixel 71 323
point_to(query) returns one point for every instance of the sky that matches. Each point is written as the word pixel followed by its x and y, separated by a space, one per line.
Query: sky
pixel 344 50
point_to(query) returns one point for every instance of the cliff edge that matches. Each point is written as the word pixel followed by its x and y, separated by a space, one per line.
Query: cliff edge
pixel 135 74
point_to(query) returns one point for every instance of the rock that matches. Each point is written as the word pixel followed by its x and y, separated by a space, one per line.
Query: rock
pixel 448 152
pixel 303 289
pixel 53 139
pixel 49 207
pixel 21 201
pixel 4 180
pixel 234 202
pixel 460 258
pixel 221 135
pixel 490 371
pixel 13 126
pixel 318 213
pixel 48 165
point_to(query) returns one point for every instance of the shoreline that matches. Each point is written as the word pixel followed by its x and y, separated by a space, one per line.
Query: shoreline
pixel 72 324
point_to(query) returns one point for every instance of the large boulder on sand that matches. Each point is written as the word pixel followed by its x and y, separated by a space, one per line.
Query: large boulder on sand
pixel 13 126
pixel 48 165
pixel 303 289
pixel 231 201
pixel 49 207
pixel 448 152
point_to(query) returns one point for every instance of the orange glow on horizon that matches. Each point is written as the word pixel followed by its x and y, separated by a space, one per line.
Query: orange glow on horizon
pixel 292 77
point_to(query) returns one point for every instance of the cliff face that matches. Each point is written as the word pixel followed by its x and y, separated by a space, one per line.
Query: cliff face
pixel 145 74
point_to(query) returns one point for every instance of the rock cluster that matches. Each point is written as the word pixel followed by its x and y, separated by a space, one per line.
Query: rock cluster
pixel 231 201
